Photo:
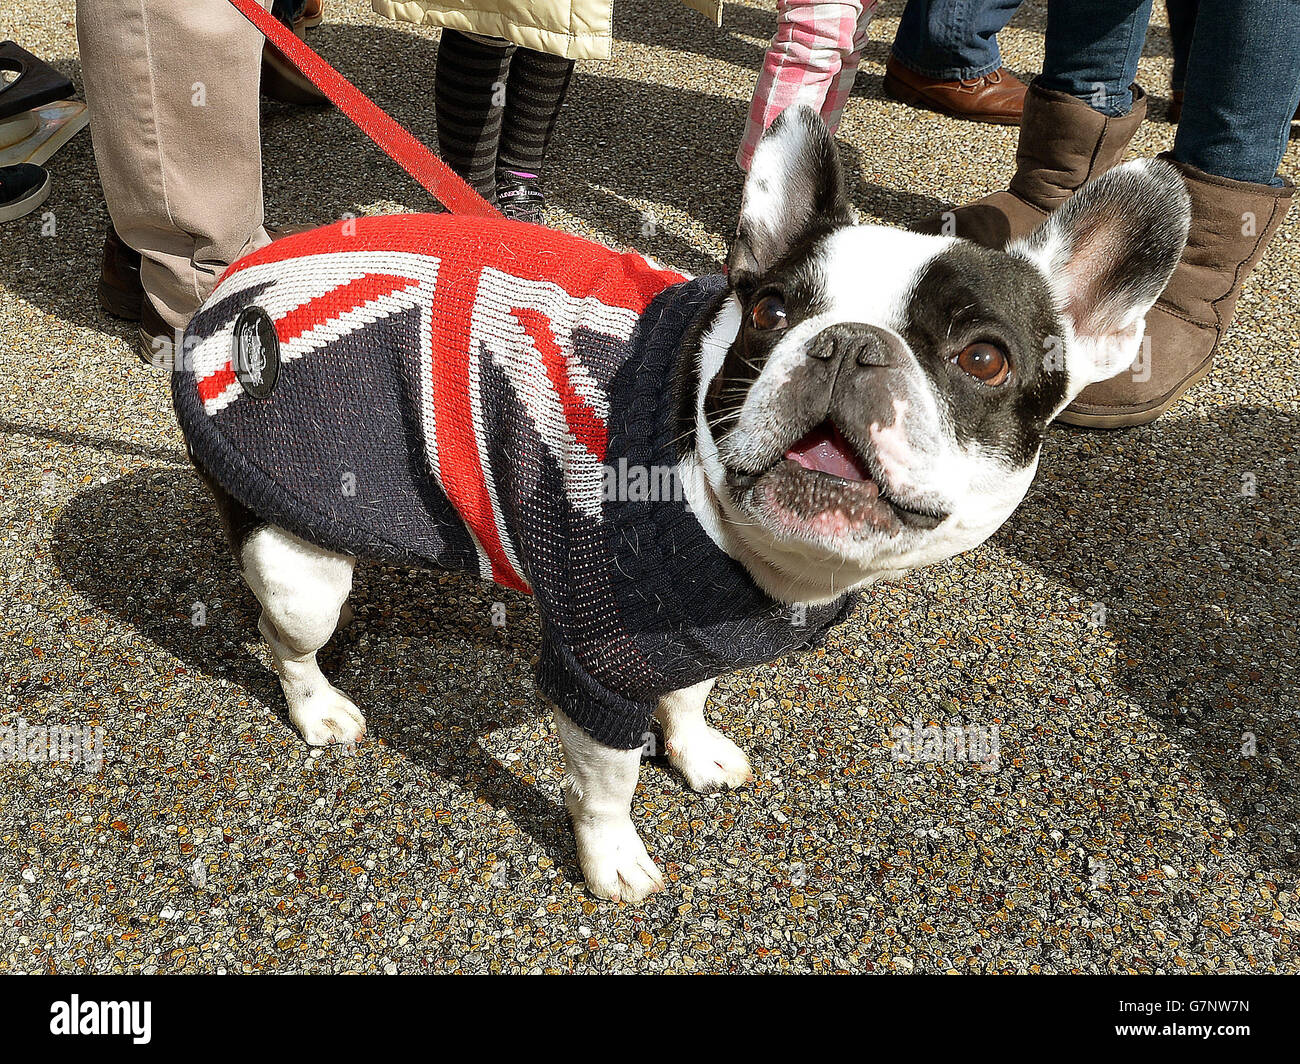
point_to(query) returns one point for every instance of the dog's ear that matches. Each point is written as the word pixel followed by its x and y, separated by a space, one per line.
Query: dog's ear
pixel 1108 253
pixel 795 185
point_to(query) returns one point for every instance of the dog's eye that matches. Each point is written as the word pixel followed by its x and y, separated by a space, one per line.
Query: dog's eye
pixel 768 313
pixel 986 363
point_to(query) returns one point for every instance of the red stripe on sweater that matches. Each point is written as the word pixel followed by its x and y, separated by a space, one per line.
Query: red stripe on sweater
pixel 303 318
pixel 216 382
pixel 337 302
pixel 462 466
pixel 584 423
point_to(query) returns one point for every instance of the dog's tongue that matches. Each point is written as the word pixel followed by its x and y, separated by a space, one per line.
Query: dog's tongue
pixel 826 451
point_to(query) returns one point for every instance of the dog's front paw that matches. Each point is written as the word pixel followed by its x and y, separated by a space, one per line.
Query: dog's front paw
pixel 327 716
pixel 614 860
pixel 708 759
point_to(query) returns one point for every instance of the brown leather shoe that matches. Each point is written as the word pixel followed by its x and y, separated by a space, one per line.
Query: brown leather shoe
pixel 998 97
pixel 1232 223
pixel 156 345
pixel 120 290
pixel 1063 144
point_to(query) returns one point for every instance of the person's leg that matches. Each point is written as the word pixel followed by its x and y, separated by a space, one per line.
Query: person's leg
pixel 1182 21
pixel 1080 114
pixel 535 89
pixel 469 98
pixel 802 64
pixel 1243 85
pixel 838 96
pixel 952 40
pixel 945 58
pixel 1091 51
pixel 172 90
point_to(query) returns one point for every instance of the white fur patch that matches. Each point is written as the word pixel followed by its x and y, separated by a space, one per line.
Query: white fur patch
pixel 598 785
pixel 302 589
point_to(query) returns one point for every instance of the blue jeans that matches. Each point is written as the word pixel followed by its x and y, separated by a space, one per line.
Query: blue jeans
pixel 1242 81
pixel 1182 21
pixel 952 39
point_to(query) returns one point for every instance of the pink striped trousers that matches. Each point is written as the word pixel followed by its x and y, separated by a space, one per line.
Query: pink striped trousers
pixel 812 60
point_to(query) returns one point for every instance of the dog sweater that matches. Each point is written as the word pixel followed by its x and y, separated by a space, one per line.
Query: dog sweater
pixel 497 398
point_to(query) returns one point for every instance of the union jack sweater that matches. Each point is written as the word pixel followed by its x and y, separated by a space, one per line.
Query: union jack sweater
pixel 497 398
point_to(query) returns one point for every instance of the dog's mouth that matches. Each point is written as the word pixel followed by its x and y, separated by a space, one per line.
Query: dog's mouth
pixel 824 486
pixel 825 450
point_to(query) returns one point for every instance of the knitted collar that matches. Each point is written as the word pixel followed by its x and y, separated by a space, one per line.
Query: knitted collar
pixel 666 560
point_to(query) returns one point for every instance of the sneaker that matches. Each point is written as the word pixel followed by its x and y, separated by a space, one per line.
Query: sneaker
pixel 23 188
pixel 520 197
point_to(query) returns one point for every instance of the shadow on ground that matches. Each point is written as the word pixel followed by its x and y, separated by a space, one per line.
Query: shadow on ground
pixel 1198 587
pixel 170 555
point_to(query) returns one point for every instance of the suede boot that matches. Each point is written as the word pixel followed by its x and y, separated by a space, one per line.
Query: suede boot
pixel 1232 223
pixel 1064 143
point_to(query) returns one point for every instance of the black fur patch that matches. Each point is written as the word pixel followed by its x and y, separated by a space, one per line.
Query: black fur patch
pixel 968 294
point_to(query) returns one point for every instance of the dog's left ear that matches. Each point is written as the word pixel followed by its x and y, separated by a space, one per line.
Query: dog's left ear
pixel 795 185
pixel 1107 254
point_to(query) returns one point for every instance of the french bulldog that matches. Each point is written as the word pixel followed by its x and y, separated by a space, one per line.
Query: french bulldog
pixel 850 403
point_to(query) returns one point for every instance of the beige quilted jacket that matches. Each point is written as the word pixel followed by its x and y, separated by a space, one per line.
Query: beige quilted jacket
pixel 575 29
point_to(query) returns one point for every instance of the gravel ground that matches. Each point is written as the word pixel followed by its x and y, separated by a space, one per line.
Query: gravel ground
pixel 1128 632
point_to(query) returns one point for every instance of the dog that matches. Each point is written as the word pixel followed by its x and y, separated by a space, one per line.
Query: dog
pixel 849 403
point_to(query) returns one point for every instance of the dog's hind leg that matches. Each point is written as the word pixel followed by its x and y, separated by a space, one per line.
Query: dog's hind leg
pixel 302 589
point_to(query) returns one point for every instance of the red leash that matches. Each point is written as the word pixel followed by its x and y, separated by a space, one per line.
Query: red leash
pixel 441 182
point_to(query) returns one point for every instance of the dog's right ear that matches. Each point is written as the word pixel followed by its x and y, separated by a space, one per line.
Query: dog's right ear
pixel 795 186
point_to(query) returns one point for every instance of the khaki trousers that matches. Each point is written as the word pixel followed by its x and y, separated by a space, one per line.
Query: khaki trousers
pixel 173 93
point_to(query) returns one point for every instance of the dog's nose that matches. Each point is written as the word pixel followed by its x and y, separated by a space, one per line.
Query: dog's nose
pixel 866 345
